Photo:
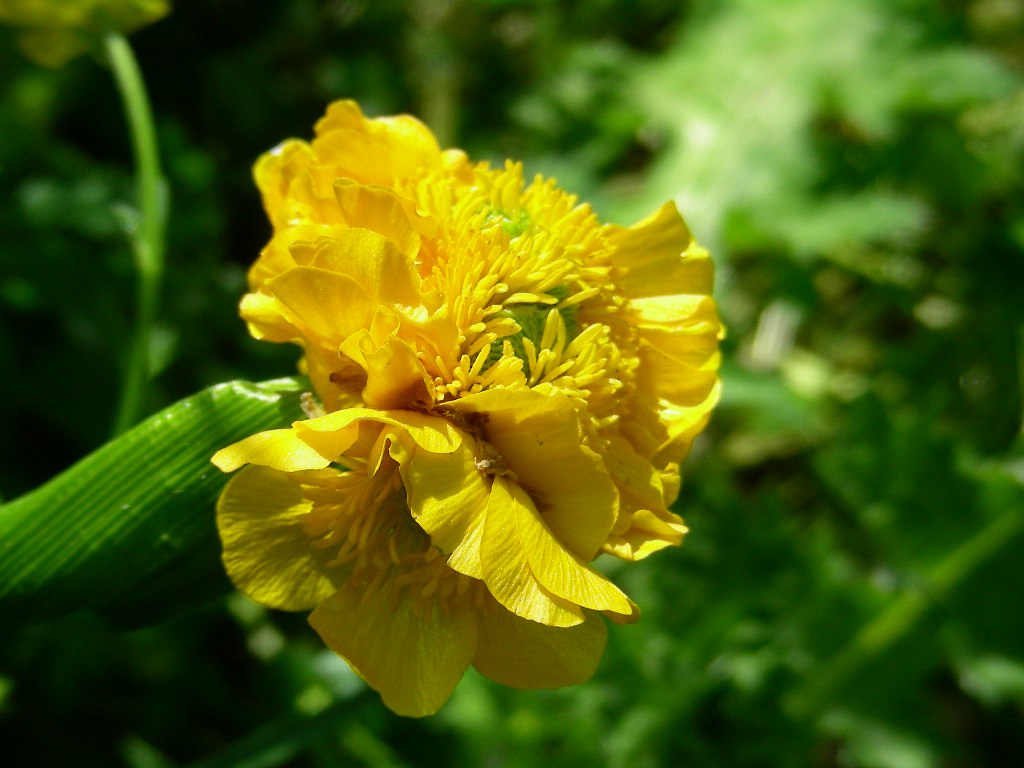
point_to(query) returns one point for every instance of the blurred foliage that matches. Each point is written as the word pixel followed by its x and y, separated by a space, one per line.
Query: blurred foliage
pixel 849 594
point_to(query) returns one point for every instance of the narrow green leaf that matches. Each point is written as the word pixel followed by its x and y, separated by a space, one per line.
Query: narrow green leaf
pixel 130 529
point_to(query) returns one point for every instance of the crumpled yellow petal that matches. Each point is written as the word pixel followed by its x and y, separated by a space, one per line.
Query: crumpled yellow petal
pixel 683 423
pixel 657 256
pixel 281 449
pixel 288 248
pixel 326 306
pixel 380 151
pixel 448 498
pixel 275 172
pixel 684 327
pixel 507 571
pixel 315 443
pixel 534 432
pixel 266 318
pixel 382 210
pixel 529 572
pixel 647 533
pixel 645 524
pixel 524 654
pixel 386 273
pixel 413 659
pixel 395 377
pixel 556 569
pixel 333 434
pixel 663 431
pixel 266 552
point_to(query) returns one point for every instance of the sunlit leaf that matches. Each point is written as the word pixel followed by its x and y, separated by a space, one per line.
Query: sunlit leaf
pixel 129 530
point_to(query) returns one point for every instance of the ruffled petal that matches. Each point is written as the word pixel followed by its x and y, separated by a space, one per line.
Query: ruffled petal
pixel 267 553
pixel 647 533
pixel 506 568
pixel 557 570
pixel 280 449
pixel 657 257
pixel 379 266
pixel 382 152
pixel 448 498
pixel 334 431
pixel 413 658
pixel 288 248
pixel 534 432
pixel 395 377
pixel 524 654
pixel 382 210
pixel 645 524
pixel 266 319
pixel 275 173
pixel 327 306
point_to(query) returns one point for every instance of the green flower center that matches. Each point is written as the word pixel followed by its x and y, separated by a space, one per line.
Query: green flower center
pixel 512 225
pixel 531 319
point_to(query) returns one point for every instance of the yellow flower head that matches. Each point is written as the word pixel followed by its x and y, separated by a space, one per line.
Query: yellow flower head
pixel 506 387
pixel 56 31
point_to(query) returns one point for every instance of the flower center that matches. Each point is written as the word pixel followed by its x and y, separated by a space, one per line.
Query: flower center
pixel 532 319
pixel 512 225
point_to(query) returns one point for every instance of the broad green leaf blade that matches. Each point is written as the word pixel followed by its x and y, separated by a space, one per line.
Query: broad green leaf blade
pixel 130 529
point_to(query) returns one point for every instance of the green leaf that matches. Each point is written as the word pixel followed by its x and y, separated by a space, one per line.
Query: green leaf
pixel 277 743
pixel 129 530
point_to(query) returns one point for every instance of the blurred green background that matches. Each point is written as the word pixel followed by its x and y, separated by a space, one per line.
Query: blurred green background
pixel 851 591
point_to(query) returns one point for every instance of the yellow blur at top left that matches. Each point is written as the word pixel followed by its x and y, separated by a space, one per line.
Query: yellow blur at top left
pixel 56 31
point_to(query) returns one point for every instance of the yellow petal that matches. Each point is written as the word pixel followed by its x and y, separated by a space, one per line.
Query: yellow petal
pixel 274 173
pixel 267 554
pixel 414 659
pixel 380 151
pixel 278 448
pixel 645 524
pixel 337 379
pixel 671 378
pixel 578 502
pixel 386 273
pixel 694 314
pixel 290 247
pixel 534 432
pixel 267 319
pixel 659 257
pixel 524 654
pixel 382 210
pixel 395 377
pixel 670 484
pixel 683 422
pixel 556 569
pixel 328 306
pixel 448 498
pixel 647 534
pixel 624 618
pixel 506 569
pixel 328 433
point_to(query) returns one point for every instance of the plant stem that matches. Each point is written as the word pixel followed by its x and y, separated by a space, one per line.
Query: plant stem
pixel 147 231
pixel 880 634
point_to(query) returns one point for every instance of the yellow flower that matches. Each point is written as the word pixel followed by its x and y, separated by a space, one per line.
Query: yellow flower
pixel 56 31
pixel 506 388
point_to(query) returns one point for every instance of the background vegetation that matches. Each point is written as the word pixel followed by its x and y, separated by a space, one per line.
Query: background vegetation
pixel 850 594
